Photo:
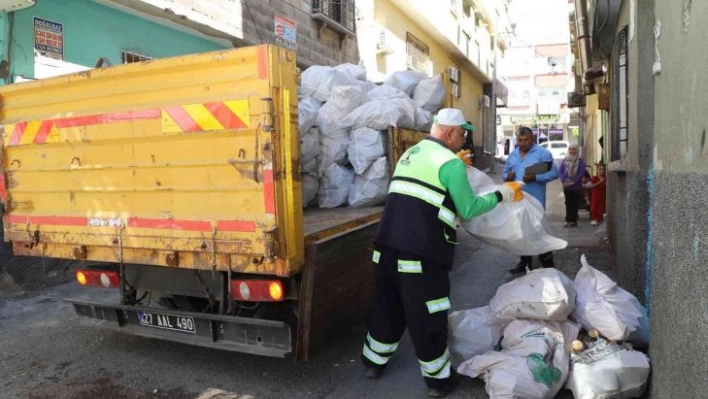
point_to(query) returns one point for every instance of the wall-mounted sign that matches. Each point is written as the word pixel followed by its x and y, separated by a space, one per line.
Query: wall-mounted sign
pixel 534 119
pixel 49 38
pixel 285 32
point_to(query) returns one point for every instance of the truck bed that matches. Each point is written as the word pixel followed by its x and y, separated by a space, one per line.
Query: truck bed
pixel 324 223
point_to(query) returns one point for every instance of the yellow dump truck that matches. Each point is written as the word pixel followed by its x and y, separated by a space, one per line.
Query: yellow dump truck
pixel 178 180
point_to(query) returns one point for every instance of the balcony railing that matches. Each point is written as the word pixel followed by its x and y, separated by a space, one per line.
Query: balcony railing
pixel 339 15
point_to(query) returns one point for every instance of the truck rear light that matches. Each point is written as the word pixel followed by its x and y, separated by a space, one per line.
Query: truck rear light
pixel 257 290
pixel 98 278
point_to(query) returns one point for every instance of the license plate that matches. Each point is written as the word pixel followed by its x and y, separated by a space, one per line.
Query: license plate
pixel 167 322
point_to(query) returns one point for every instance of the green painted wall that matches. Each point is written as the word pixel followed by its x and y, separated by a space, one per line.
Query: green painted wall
pixel 92 31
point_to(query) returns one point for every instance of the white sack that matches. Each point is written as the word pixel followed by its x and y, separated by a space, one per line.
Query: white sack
pixel 310 186
pixel 542 294
pixel 318 81
pixel 334 186
pixel 309 150
pixel 344 99
pixel 358 72
pixel 518 227
pixel 382 114
pixel 430 93
pixel 608 371
pixel 533 364
pixel 371 187
pixel 307 109
pixel 406 81
pixel 366 146
pixel 469 334
pixel 606 307
pixel 384 92
pixel 333 150
pixel 423 120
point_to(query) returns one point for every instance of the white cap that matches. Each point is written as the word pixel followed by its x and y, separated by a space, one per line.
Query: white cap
pixel 452 117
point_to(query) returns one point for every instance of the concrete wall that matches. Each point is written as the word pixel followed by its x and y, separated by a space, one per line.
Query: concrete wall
pixel 679 280
pixel 628 185
pixel 313 49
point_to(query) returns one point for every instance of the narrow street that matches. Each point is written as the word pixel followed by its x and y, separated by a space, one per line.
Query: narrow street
pixel 48 352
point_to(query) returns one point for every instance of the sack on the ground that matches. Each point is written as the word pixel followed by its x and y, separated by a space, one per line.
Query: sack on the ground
pixel 405 81
pixel 430 93
pixel 469 334
pixel 542 294
pixel 366 146
pixel 533 363
pixel 309 150
pixel 371 187
pixel 382 114
pixel 344 99
pixel 317 81
pixel 334 186
pixel 358 72
pixel 310 186
pixel 606 307
pixel 517 227
pixel 307 109
pixel 608 371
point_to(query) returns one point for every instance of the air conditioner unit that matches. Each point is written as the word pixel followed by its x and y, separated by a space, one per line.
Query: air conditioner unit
pixel 454 73
pixel 576 99
pixel 485 101
pixel 15 5
pixel 381 46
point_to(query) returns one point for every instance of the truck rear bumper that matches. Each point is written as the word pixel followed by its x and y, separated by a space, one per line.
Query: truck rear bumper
pixel 236 334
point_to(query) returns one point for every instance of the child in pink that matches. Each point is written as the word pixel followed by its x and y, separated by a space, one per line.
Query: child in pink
pixel 597 195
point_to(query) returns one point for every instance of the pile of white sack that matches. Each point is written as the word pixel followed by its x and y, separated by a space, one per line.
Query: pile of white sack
pixel 521 345
pixel 517 227
pixel 343 123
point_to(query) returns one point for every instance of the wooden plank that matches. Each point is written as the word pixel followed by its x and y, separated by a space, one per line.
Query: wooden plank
pixel 320 224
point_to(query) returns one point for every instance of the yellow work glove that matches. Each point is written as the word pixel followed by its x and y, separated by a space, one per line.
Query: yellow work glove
pixel 465 156
pixel 511 191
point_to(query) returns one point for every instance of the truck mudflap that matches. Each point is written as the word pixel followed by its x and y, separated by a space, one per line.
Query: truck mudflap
pixel 236 334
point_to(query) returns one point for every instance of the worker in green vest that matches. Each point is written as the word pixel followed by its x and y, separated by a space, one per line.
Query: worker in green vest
pixel 414 248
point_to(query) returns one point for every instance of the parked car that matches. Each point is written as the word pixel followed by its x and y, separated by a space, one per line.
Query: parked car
pixel 559 149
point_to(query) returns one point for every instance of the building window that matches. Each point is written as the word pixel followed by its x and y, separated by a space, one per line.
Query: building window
pixel 417 54
pixel 620 108
pixel 129 57
pixel 342 12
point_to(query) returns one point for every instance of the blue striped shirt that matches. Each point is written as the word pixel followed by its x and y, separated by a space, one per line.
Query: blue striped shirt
pixel 535 155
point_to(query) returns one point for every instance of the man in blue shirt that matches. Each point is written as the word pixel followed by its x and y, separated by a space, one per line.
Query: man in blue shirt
pixel 528 153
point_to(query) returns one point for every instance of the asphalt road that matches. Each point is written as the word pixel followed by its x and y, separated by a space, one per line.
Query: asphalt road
pixel 48 352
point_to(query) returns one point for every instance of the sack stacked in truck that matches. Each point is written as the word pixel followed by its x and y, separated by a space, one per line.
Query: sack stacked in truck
pixel 371 186
pixel 334 186
pixel 517 227
pixel 318 81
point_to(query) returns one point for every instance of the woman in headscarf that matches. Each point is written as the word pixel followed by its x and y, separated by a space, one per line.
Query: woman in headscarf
pixel 571 174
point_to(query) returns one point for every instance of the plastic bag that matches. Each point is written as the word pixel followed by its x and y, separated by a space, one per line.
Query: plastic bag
pixel 542 294
pixel 333 150
pixel 334 186
pixel 310 186
pixel 406 81
pixel 517 227
pixel 358 72
pixel 371 187
pixel 365 147
pixel 309 150
pixel 469 334
pixel 606 307
pixel 382 114
pixel 384 92
pixel 318 81
pixel 430 93
pixel 307 109
pixel 344 99
pixel 608 371
pixel 532 363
